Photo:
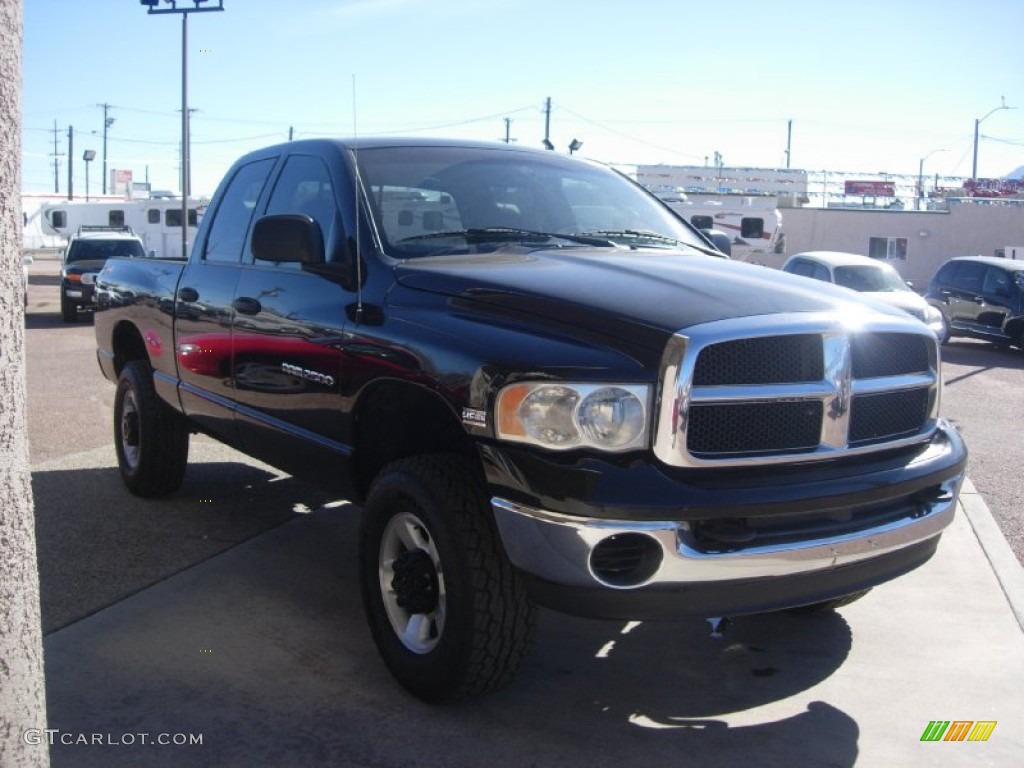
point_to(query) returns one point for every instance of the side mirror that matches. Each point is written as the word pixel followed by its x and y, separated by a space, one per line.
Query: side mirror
pixel 288 237
pixel 720 240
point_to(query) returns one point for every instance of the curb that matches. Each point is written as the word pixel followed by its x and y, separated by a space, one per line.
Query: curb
pixel 1008 570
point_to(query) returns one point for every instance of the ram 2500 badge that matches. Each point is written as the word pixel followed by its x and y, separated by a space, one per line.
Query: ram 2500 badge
pixel 542 386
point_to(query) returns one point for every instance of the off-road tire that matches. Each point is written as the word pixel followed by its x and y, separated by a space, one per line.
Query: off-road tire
pixel 475 621
pixel 150 438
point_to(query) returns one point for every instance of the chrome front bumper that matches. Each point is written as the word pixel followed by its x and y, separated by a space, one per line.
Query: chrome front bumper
pixel 559 549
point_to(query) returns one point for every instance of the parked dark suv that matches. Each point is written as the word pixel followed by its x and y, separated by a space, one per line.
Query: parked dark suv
pixel 981 297
pixel 86 254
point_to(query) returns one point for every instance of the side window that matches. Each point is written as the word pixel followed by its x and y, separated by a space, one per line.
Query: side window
pixel 801 267
pixel 234 213
pixel 58 219
pixel 116 218
pixel 304 186
pixel 702 222
pixel 172 217
pixel 821 273
pixel 969 276
pixel 751 227
pixel 887 248
pixel 153 215
pixel 997 282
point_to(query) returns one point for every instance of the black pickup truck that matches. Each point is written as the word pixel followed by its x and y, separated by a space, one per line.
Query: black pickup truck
pixel 542 386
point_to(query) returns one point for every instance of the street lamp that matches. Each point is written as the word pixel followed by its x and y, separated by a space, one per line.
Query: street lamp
pixel 575 145
pixel 89 155
pixel 977 123
pixel 197 7
pixel 920 177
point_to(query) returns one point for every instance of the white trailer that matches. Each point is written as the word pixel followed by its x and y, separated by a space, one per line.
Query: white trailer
pixel 157 221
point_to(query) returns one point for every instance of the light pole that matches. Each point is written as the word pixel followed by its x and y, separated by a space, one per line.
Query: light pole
pixel 197 7
pixel 574 145
pixel 89 155
pixel 920 178
pixel 107 122
pixel 977 124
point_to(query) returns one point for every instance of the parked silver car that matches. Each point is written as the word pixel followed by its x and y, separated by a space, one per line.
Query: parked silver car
pixel 870 276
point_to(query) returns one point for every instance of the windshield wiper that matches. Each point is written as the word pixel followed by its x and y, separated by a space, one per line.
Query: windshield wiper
pixel 635 234
pixel 511 234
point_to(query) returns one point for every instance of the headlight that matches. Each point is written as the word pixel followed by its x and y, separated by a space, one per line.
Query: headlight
pixel 933 318
pixel 564 415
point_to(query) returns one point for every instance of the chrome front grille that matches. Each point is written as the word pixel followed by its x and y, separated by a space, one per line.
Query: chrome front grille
pixel 794 388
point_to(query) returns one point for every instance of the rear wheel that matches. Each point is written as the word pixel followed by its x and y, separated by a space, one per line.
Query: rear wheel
pixel 151 438
pixel 448 613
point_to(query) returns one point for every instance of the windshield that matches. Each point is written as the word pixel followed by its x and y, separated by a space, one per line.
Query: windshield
pixel 101 250
pixel 870 279
pixel 428 201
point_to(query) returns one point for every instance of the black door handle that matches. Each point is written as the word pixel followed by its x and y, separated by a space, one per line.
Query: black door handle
pixel 188 294
pixel 247 306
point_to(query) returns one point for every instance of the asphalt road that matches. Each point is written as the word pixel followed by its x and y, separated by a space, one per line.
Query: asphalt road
pixel 98 544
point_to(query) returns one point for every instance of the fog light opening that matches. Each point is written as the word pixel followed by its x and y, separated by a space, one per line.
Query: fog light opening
pixel 625 559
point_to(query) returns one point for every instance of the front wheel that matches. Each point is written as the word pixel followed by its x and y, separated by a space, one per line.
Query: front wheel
pixel 151 439
pixel 68 309
pixel 448 613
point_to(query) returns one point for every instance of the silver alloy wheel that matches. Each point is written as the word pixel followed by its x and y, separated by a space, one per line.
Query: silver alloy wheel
pixel 416 607
pixel 130 430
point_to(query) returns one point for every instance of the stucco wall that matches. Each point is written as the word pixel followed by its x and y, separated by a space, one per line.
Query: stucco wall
pixel 932 236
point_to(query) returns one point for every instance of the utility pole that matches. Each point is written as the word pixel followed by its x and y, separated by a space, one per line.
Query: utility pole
pixel 789 140
pixel 107 122
pixel 508 130
pixel 56 160
pixel 71 157
pixel 547 125
pixel 291 130
pixel 152 8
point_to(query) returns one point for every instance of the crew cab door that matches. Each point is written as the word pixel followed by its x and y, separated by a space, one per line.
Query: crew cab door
pixel 288 336
pixel 203 304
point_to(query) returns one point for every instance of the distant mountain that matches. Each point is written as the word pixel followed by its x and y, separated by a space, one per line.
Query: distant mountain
pixel 1018 174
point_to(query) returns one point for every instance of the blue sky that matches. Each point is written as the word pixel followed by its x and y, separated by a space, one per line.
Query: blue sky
pixel 870 86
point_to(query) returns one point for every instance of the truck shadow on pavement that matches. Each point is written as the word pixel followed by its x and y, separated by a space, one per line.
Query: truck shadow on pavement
pixel 97 544
pixel 265 651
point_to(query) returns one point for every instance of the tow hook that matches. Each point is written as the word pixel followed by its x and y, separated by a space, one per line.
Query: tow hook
pixel 718 626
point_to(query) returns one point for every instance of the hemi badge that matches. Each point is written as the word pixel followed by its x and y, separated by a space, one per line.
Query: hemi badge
pixel 472 417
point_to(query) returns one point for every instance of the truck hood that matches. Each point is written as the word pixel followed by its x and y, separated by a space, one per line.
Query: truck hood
pixel 85 265
pixel 640 295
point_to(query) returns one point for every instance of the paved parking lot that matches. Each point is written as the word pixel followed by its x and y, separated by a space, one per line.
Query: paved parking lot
pixel 231 610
